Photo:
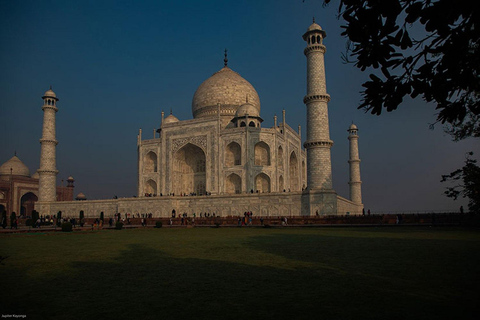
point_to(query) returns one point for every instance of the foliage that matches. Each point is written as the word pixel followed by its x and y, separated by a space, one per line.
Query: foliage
pixel 441 63
pixel 468 183
pixel 118 225
pixel 82 215
pixel 102 216
pixel 67 227
pixel 28 222
pixel 158 224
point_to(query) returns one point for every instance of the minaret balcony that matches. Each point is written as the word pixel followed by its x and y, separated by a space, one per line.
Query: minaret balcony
pixel 316 97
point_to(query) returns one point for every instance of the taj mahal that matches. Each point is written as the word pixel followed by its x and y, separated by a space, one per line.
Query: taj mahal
pixel 223 160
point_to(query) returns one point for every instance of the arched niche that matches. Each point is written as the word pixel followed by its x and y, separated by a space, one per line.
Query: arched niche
pixel 293 172
pixel 303 174
pixel 27 203
pixel 151 187
pixel 280 157
pixel 262 154
pixel 262 183
pixel 189 170
pixel 234 184
pixel 233 155
pixel 150 162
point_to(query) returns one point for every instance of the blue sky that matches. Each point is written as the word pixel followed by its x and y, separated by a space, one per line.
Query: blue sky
pixel 115 65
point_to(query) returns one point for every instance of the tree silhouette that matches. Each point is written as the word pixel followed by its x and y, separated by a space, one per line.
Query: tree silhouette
pixel 468 183
pixel 441 63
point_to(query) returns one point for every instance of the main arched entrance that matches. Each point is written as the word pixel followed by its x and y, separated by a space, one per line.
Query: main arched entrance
pixel 189 170
pixel 27 203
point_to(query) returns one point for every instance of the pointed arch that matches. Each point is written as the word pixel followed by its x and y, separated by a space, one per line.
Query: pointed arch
pixel 151 187
pixel 304 180
pixel 293 172
pixel 262 154
pixel 150 162
pixel 27 203
pixel 233 155
pixel 262 183
pixel 280 157
pixel 234 184
pixel 189 174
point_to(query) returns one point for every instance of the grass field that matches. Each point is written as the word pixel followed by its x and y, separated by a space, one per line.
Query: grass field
pixel 243 273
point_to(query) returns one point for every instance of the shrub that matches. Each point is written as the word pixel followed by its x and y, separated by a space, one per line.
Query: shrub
pixel 28 222
pixel 66 227
pixel 158 224
pixel 118 225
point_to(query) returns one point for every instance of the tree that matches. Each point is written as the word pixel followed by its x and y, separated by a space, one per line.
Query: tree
pixel 442 65
pixel 468 183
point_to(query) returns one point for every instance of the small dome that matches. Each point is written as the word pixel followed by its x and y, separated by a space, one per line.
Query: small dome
pixel 170 119
pixel 227 88
pixel 314 29
pixel 353 127
pixel 17 166
pixel 50 93
pixel 314 26
pixel 246 109
pixel 70 179
pixel 81 196
pixel 36 175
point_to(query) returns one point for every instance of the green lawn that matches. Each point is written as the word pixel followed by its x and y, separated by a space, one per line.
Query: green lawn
pixel 243 273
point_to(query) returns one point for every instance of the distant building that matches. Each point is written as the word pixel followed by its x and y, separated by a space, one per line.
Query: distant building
pixel 19 190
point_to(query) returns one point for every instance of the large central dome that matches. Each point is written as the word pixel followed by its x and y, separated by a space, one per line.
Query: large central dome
pixel 227 88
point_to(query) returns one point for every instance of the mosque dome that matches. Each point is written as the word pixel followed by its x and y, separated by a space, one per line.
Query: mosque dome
pixel 246 109
pixel 17 166
pixel 353 127
pixel 170 119
pixel 227 88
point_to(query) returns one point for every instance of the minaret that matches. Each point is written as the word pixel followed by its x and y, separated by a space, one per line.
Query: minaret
pixel 318 143
pixel 355 182
pixel 48 170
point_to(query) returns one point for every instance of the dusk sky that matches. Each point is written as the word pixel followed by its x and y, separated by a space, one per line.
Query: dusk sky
pixel 115 65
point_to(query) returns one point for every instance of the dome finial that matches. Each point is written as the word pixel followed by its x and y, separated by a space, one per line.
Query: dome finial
pixel 313 19
pixel 171 111
pixel 225 60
